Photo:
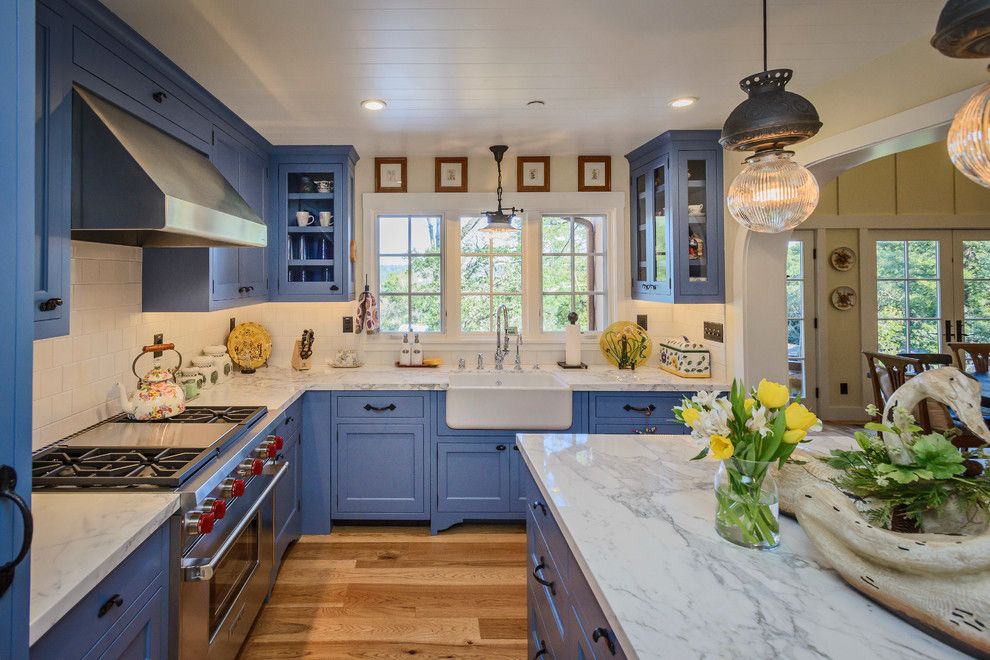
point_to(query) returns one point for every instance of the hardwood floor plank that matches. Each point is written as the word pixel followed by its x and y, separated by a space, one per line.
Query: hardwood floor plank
pixel 502 628
pixel 380 650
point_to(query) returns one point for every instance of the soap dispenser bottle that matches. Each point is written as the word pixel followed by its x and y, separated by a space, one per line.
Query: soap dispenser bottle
pixel 405 353
pixel 417 352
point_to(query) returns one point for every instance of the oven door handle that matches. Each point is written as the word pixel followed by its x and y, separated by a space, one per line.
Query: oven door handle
pixel 202 572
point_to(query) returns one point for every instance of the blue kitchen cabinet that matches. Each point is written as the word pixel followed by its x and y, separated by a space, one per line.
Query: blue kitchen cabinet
pixel 631 412
pixel 316 442
pixel 676 232
pixel 473 476
pixel 380 471
pixel 287 512
pixel 207 279
pixel 126 615
pixel 53 167
pixel 313 262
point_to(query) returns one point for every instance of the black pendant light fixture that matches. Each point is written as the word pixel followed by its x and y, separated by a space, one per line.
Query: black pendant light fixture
pixel 500 220
pixel 963 31
pixel 772 193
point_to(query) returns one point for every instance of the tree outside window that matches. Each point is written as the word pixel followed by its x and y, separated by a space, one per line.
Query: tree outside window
pixel 491 275
pixel 572 271
pixel 410 273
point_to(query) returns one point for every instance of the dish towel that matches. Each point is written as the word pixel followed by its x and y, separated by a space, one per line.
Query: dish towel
pixel 367 312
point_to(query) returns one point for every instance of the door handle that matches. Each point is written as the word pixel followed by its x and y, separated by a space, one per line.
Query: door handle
pixel 8 480
pixel 948 331
pixel 959 330
pixel 371 408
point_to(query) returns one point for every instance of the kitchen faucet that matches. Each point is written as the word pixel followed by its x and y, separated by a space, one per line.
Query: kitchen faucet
pixel 518 358
pixel 501 340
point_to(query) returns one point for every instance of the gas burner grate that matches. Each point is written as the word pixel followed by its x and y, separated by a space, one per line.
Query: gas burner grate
pixel 81 466
pixel 207 415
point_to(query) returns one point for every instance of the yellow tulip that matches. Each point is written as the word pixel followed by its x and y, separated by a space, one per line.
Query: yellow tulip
pixel 748 404
pixel 721 447
pixel 772 395
pixel 794 436
pixel 799 417
pixel 690 416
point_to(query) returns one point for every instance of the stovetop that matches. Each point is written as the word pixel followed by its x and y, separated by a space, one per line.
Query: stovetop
pixel 160 453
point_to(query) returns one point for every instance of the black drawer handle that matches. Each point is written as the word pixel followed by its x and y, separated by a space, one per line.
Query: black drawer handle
pixel 545 583
pixel 50 305
pixel 603 633
pixel 8 480
pixel 515 447
pixel 159 97
pixel 500 447
pixel 334 287
pixel 289 420
pixel 543 650
pixel 387 408
pixel 648 409
pixel 114 601
pixel 244 289
pixel 541 505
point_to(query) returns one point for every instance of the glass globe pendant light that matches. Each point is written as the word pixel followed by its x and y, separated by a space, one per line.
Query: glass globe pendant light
pixel 963 31
pixel 501 219
pixel 772 193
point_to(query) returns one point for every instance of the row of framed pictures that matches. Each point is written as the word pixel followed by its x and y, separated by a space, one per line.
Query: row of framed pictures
pixel 532 174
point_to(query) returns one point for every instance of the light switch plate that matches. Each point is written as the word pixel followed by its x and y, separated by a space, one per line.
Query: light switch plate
pixel 714 332
pixel 348 324
pixel 641 321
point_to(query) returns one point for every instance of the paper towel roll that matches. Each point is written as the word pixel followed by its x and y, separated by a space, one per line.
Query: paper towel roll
pixel 572 345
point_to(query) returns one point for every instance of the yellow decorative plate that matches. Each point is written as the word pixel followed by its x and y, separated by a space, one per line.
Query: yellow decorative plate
pixel 637 345
pixel 249 345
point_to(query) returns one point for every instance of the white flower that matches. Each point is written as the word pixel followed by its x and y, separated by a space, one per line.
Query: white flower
pixel 902 418
pixel 758 422
pixel 882 480
pixel 872 410
pixel 705 399
pixel 713 422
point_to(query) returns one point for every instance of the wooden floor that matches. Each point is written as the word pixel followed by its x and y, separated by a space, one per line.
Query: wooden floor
pixel 396 592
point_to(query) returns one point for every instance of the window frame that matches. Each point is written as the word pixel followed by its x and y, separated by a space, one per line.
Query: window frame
pixel 455 287
pixel 572 292
pixel 409 254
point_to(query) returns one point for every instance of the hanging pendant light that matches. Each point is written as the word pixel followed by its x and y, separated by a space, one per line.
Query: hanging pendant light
pixel 500 220
pixel 772 193
pixel 963 31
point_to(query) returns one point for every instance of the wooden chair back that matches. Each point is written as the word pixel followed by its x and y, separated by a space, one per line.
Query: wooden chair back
pixel 978 353
pixel 887 373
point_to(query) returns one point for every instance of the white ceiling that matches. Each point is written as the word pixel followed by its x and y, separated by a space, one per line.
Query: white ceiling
pixel 457 73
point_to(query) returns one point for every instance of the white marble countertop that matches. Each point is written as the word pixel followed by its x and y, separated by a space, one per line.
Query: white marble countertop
pixel 638 516
pixel 79 539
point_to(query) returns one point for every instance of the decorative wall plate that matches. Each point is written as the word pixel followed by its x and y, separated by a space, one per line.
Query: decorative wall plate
pixel 250 346
pixel 637 344
pixel 842 259
pixel 843 298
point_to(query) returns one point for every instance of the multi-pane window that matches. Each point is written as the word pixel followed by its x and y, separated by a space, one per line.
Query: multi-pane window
pixel 410 273
pixel 491 275
pixel 908 302
pixel 976 290
pixel 572 271
pixel 796 355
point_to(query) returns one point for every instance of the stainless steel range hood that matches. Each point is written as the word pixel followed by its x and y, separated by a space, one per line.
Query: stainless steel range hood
pixel 135 185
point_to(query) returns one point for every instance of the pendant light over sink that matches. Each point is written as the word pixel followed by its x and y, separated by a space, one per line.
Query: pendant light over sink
pixel 963 31
pixel 500 220
pixel 772 193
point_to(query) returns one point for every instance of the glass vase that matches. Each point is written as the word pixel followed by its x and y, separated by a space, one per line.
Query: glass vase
pixel 746 503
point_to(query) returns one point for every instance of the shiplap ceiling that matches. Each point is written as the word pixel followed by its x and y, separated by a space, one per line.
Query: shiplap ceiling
pixel 457 73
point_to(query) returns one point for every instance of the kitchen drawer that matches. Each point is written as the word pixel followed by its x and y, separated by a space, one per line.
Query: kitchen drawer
pixel 632 426
pixel 90 55
pixel 540 518
pixel 539 642
pixel 550 599
pixel 143 637
pixel 375 407
pixel 289 421
pixel 591 629
pixel 83 626
pixel 632 406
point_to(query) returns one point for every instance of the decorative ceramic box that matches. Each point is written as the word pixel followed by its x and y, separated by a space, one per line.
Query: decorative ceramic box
pixel 685 358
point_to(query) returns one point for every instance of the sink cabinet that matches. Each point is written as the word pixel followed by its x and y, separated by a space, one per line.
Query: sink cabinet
pixel 676 228
pixel 474 476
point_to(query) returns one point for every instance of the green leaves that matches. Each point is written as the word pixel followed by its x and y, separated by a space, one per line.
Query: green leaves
pixel 701 454
pixel 938 456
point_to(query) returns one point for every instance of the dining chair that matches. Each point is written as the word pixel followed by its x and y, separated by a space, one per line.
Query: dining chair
pixel 930 360
pixel 889 372
pixel 978 353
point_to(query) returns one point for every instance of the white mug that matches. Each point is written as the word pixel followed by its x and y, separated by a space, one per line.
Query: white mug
pixel 696 209
pixel 304 218
pixel 326 218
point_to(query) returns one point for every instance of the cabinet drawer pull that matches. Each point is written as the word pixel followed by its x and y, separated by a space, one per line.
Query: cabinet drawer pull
pixel 289 420
pixel 543 650
pixel 159 97
pixel 387 408
pixel 50 305
pixel 500 447
pixel 515 447
pixel 600 633
pixel 541 505
pixel 648 409
pixel 114 601
pixel 334 287
pixel 545 583
pixel 243 289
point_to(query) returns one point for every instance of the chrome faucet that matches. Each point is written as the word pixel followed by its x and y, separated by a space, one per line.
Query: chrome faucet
pixel 518 358
pixel 501 339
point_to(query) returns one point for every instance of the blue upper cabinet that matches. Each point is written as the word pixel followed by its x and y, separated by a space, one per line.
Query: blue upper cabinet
pixel 313 261
pixel 676 218
pixel 52 210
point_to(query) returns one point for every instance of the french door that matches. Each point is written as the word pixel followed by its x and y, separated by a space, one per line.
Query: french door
pixel 931 288
pixel 801 316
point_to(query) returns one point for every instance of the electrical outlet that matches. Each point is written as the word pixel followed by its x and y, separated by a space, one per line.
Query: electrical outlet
pixel 641 321
pixel 843 388
pixel 714 332
pixel 348 324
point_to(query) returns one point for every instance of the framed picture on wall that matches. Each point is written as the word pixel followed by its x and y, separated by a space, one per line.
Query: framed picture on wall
pixel 594 173
pixel 390 175
pixel 533 174
pixel 451 174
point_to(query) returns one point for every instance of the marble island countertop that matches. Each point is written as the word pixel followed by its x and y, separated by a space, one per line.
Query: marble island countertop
pixel 638 517
pixel 79 539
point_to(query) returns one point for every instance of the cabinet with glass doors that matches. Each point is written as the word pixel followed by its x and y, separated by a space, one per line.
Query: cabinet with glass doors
pixel 676 218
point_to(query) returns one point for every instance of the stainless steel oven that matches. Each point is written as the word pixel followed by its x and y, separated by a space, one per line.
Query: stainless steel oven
pixel 226 574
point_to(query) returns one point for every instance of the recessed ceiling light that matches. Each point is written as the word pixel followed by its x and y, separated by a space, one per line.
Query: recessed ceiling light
pixel 373 104
pixel 683 101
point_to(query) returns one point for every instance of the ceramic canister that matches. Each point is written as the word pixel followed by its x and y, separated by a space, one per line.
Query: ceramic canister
pixel 221 360
pixel 204 364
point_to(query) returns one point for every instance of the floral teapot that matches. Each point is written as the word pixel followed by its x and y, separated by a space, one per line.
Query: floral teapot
pixel 158 396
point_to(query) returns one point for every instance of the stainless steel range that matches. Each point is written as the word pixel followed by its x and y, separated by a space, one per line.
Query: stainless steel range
pixel 224 473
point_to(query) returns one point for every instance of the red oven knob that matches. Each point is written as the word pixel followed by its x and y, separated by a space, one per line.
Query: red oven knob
pixel 279 442
pixel 237 487
pixel 219 509
pixel 205 523
pixel 257 465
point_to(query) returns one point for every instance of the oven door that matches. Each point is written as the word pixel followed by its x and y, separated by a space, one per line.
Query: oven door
pixel 226 575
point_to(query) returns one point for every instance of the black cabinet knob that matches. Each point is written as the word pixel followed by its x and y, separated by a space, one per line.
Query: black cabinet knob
pixel 334 287
pixel 159 97
pixel 112 602
pixel 243 290
pixel 50 305
pixel 500 447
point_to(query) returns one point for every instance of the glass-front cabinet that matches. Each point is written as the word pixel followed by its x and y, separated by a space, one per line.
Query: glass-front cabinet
pixel 676 216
